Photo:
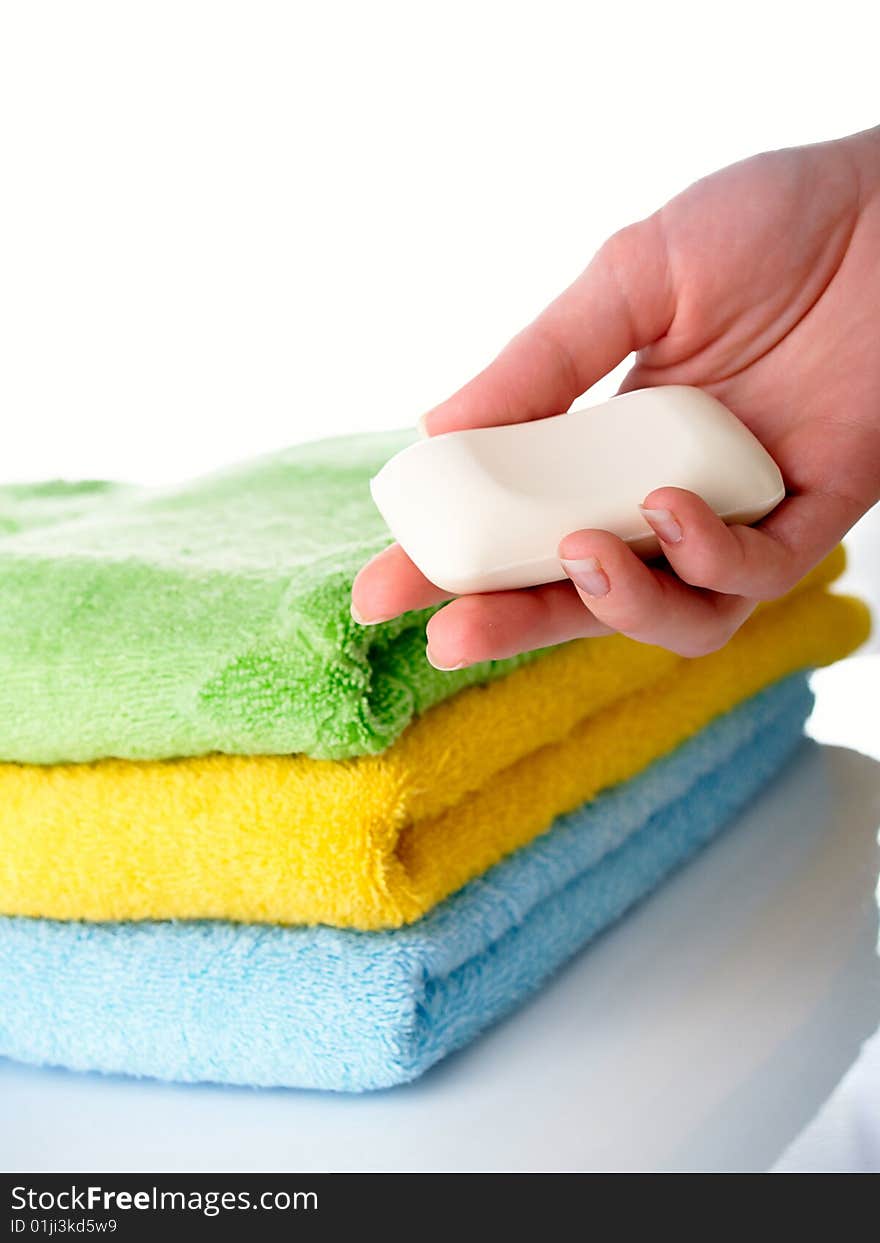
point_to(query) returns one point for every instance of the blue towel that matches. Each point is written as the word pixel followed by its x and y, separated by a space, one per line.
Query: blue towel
pixel 327 1008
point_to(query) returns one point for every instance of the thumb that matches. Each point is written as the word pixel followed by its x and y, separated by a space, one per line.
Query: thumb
pixel 621 302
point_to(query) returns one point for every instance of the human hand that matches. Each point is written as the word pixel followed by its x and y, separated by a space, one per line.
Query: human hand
pixel 760 284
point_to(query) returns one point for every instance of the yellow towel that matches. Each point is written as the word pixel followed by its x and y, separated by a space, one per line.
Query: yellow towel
pixel 377 841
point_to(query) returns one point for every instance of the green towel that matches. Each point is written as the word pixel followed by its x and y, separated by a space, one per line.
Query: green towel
pixel 214 616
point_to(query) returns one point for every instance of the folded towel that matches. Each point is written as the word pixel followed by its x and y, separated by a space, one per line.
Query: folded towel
pixel 149 623
pixel 320 1007
pixel 376 842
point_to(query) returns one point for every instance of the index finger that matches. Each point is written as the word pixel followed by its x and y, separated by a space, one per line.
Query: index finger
pixel 391 584
pixel 621 302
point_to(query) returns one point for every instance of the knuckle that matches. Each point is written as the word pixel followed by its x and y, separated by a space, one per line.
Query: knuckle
pixel 693 649
pixel 467 623
pixel 629 619
pixel 700 574
pixel 456 629
pixel 710 561
pixel 622 244
pixel 710 567
pixel 780 584
pixel 705 642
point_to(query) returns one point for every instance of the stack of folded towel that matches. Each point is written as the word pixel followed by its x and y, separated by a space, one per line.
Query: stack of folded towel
pixel 246 840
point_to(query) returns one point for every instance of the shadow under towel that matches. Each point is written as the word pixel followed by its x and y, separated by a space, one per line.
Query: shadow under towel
pixel 326 1008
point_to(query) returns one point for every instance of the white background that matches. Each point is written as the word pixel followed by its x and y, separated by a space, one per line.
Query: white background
pixel 229 226
pixel 225 227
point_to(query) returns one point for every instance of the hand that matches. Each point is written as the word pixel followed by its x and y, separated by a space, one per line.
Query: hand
pixel 760 284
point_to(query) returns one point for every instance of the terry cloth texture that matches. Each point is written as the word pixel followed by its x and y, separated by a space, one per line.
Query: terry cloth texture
pixel 149 623
pixel 325 1008
pixel 379 841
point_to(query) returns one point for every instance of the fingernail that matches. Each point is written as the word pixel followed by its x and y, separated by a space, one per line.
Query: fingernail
pixel 422 427
pixel 664 523
pixel 588 575
pixel 442 668
pixel 365 621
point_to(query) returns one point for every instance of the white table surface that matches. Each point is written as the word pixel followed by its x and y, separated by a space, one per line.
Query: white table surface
pixel 705 1031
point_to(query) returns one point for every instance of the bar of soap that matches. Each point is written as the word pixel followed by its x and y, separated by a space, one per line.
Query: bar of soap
pixel 485 510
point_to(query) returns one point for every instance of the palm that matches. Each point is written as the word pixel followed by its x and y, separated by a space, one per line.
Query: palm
pixel 773 309
pixel 759 284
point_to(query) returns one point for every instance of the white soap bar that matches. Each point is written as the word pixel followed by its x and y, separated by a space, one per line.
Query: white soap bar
pixel 485 510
